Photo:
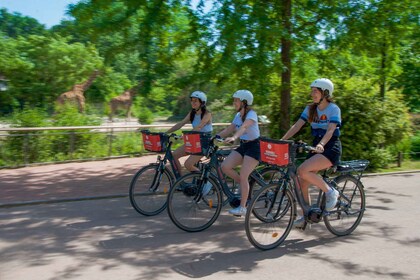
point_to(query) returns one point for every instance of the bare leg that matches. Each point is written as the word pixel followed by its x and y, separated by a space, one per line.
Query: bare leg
pixel 177 154
pixel 248 165
pixel 308 174
pixel 234 159
pixel 190 163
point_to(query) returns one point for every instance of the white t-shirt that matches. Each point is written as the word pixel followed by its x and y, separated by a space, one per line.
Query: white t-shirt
pixel 253 131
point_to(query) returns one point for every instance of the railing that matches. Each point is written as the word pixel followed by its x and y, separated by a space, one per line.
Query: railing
pixel 41 145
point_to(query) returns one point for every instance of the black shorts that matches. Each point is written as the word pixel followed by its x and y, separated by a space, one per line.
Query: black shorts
pixel 332 150
pixel 251 149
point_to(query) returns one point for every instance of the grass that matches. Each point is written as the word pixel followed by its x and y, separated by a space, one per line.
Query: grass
pixel 405 166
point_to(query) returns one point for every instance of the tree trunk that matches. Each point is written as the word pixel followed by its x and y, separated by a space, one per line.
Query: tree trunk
pixel 286 75
pixel 382 84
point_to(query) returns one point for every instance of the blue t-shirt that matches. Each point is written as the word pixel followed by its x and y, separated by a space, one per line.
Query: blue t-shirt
pixel 253 131
pixel 331 114
pixel 197 120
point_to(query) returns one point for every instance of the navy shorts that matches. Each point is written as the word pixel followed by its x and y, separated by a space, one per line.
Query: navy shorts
pixel 332 150
pixel 250 148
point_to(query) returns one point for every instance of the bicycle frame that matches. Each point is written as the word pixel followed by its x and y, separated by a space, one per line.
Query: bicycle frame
pixel 214 163
pixel 291 176
pixel 168 157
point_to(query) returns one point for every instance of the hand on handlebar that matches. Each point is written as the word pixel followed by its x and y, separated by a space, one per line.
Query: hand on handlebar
pixel 319 149
pixel 229 140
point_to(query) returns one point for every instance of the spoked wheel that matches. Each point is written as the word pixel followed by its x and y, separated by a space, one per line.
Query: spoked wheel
pixel 149 190
pixel 270 216
pixel 348 213
pixel 270 175
pixel 194 205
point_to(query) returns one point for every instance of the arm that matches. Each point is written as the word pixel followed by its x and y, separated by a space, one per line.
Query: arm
pixel 294 129
pixel 180 124
pixel 205 120
pixel 240 131
pixel 227 131
pixel 326 138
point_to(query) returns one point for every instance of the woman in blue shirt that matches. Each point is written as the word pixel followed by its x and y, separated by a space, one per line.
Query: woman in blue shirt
pixel 324 117
pixel 200 120
pixel 245 128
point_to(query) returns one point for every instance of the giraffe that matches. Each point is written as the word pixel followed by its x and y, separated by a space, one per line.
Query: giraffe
pixel 124 100
pixel 75 95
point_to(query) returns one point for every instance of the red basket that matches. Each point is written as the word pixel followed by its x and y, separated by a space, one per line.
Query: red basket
pixel 196 143
pixel 154 141
pixel 275 152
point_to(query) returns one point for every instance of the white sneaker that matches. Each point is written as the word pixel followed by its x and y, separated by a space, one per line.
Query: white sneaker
pixel 238 211
pixel 206 188
pixel 299 223
pixel 331 200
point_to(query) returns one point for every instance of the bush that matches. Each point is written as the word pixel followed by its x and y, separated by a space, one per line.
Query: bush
pixel 415 146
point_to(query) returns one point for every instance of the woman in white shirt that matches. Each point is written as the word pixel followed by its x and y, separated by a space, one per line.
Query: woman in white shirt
pixel 200 119
pixel 245 128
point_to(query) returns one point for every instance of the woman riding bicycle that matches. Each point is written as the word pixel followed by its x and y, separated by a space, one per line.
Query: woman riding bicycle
pixel 200 120
pixel 325 119
pixel 245 127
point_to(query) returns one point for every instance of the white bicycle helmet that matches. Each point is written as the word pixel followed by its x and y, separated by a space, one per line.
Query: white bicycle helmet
pixel 200 95
pixel 244 94
pixel 324 84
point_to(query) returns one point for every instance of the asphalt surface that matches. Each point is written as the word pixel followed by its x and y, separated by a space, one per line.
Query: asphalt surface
pixel 74 221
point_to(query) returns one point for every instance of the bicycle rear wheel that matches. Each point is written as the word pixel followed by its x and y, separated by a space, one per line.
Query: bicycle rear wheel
pixel 149 190
pixel 191 205
pixel 348 213
pixel 270 216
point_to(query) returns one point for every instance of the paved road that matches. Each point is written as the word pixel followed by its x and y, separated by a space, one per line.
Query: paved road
pixel 107 239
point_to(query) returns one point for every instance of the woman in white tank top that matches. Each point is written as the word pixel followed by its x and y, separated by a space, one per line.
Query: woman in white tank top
pixel 201 120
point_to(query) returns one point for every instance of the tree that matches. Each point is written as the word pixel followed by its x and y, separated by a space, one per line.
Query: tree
pixel 39 68
pixel 379 29
pixel 14 25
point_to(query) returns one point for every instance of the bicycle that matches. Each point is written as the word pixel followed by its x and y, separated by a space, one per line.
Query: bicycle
pixel 150 185
pixel 272 211
pixel 192 207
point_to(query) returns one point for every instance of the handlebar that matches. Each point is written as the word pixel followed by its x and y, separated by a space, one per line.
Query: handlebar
pixel 175 136
pixel 302 146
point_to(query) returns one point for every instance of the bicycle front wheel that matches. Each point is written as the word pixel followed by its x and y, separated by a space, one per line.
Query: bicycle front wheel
pixel 270 216
pixel 348 213
pixel 149 189
pixel 194 204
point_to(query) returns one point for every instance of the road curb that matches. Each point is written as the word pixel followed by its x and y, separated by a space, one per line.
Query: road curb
pixel 50 201
pixel 390 173
pixel 82 198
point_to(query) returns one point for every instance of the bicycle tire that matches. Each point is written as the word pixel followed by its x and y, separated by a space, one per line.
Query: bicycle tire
pixel 270 175
pixel 279 212
pixel 188 208
pixel 350 208
pixel 149 189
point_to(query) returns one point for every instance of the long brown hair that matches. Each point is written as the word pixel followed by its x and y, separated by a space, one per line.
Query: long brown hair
pixel 203 112
pixel 313 113
pixel 247 108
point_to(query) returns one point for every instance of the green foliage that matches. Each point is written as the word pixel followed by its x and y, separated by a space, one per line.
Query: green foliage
pixel 145 115
pixel 415 146
pixel 370 126
pixel 41 68
pixel 15 25
pixel 26 146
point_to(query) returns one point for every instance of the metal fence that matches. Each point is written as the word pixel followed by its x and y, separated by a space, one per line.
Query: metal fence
pixel 41 145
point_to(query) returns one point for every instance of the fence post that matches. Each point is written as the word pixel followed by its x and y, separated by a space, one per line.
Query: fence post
pixel 399 159
pixel 25 149
pixel 71 144
pixel 110 136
